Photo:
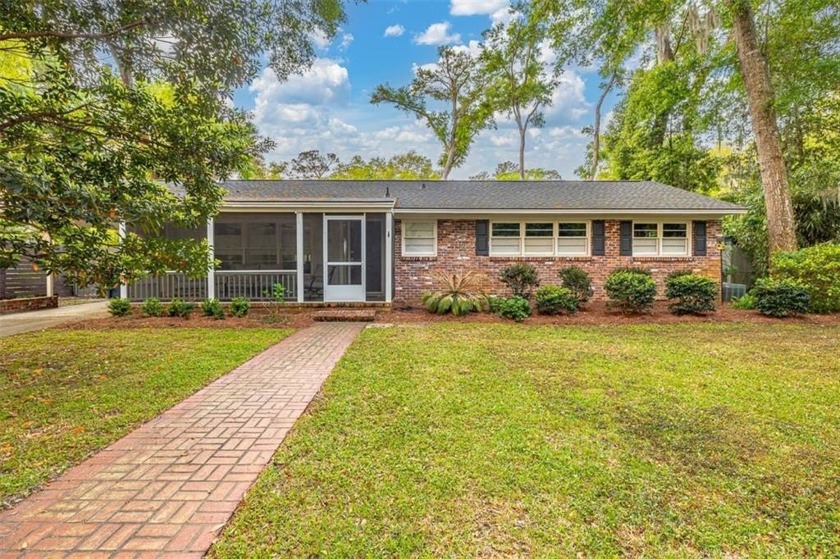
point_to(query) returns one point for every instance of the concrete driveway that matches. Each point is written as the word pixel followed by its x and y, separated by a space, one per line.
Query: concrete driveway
pixel 38 320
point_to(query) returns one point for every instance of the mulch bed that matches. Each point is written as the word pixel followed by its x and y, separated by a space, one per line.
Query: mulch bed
pixel 598 313
pixel 594 313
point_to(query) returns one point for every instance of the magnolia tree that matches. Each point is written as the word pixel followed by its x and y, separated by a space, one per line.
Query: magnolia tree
pixel 119 112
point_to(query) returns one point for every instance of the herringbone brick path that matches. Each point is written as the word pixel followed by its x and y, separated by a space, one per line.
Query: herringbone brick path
pixel 167 489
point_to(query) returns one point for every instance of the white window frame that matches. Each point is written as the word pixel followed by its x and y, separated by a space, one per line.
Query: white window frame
pixel 404 236
pixel 660 228
pixel 554 252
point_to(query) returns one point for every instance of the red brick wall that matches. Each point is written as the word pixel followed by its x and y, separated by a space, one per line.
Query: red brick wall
pixel 9 306
pixel 456 253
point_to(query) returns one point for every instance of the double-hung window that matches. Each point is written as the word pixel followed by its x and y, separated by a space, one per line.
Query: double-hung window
pixel 572 239
pixel 419 238
pixel 660 239
pixel 539 238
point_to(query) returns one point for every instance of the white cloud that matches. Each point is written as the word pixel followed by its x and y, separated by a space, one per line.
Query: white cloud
pixel 394 30
pixel 568 98
pixel 476 7
pixel 504 15
pixel 473 48
pixel 320 39
pixel 437 34
pixel 346 41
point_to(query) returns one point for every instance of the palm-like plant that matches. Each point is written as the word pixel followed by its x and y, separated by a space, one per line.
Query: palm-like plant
pixel 457 294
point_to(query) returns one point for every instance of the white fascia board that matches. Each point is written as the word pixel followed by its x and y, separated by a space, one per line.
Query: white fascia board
pixel 592 214
pixel 377 204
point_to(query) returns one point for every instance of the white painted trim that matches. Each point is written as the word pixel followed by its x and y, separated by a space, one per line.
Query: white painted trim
pixel 211 271
pixel 121 230
pixel 588 212
pixel 659 238
pixel 299 250
pixel 227 272
pixel 363 221
pixel 403 237
pixel 523 224
pixel 389 255
pixel 321 206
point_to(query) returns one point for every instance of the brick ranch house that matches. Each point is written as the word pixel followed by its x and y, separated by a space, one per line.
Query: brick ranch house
pixel 377 241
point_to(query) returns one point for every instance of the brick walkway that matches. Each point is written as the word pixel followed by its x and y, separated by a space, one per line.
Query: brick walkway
pixel 167 489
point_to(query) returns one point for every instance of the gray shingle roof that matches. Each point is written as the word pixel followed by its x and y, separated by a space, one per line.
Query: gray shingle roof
pixel 484 195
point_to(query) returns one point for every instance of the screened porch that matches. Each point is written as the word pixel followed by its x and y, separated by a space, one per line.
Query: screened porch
pixel 317 257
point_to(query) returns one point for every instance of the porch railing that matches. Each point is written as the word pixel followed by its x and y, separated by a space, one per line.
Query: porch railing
pixel 257 285
pixel 170 285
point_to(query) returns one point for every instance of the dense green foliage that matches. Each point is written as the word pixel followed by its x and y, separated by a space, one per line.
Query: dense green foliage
pixel 152 307
pixel 515 308
pixel 212 308
pixel 632 292
pixel 521 278
pixel 119 307
pixel 817 269
pixel 179 307
pixel 694 294
pixel 578 281
pixel 553 299
pixel 239 306
pixel 100 105
pixel 780 298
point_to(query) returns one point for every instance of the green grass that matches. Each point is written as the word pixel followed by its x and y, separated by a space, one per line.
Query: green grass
pixel 65 393
pixel 451 440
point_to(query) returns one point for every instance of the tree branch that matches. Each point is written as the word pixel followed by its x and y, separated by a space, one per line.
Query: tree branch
pixel 64 35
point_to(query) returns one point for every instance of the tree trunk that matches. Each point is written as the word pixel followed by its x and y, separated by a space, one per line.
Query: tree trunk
pixel 521 153
pixel 780 220
pixel 596 134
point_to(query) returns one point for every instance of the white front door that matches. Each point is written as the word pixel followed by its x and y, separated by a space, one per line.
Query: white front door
pixel 344 258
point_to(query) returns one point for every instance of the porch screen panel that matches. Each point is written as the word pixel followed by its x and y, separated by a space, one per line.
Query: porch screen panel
pixel 313 257
pixel 256 241
pixel 375 256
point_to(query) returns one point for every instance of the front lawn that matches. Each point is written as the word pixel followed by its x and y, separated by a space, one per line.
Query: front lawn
pixel 467 440
pixel 66 393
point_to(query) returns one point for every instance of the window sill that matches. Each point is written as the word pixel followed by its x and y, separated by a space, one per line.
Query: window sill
pixel 418 257
pixel 664 258
pixel 542 258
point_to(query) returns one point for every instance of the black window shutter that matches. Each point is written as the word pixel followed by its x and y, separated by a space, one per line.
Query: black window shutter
pixel 482 237
pixel 626 238
pixel 599 247
pixel 699 228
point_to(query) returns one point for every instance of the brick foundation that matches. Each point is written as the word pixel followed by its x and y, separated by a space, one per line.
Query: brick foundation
pixel 456 254
pixel 9 306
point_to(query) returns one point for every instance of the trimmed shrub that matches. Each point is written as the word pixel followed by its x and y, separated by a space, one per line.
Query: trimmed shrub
pixel 744 303
pixel 119 307
pixel 817 269
pixel 212 307
pixel 456 294
pixel 152 307
pixel 239 306
pixel 780 298
pixel 179 307
pixel 553 299
pixel 694 294
pixel 677 274
pixel 578 281
pixel 521 279
pixel 632 292
pixel 634 270
pixel 516 308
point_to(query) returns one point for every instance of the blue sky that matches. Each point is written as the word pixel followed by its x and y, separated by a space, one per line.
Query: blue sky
pixel 328 107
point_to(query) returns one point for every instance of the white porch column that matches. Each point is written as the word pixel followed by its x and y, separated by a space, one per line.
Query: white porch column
pixel 389 255
pixel 123 286
pixel 299 258
pixel 211 271
pixel 50 285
